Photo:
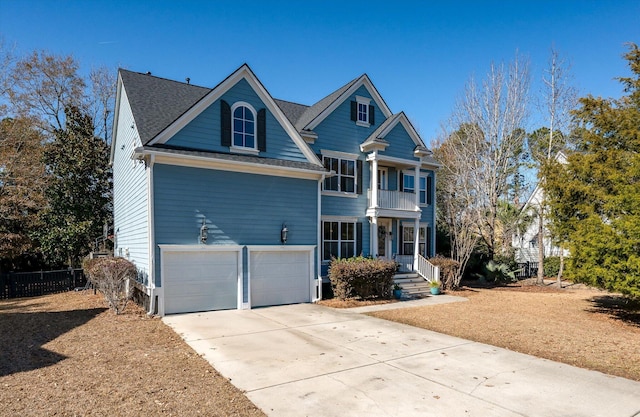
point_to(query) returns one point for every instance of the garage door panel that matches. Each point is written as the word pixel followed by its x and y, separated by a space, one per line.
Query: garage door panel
pixel 200 281
pixel 281 277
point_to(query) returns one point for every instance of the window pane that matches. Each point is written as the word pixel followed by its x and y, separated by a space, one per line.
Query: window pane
pixel 237 125
pixel 248 127
pixel 330 230
pixel 239 113
pixel 347 167
pixel 347 231
pixel 248 115
pixel 347 184
pixel 408 248
pixel 331 183
pixel 347 250
pixel 237 139
pixel 407 234
pixel 334 165
pixel 248 141
pixel 330 250
pixel 423 197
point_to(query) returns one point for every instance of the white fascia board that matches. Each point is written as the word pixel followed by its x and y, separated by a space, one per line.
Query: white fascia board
pixel 338 154
pixel 398 161
pixel 364 80
pixel 280 248
pixel 114 128
pixel 235 166
pixel 244 72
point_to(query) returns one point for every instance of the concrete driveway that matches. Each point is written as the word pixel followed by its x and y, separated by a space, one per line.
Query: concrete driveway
pixel 309 360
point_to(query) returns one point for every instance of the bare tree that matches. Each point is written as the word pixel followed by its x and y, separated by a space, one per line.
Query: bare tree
pixel 558 98
pixel 43 85
pixel 103 94
pixel 489 120
pixel 455 200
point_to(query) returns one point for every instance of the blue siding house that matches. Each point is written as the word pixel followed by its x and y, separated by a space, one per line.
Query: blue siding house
pixel 228 198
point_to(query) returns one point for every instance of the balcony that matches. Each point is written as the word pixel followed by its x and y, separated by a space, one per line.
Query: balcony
pixel 394 200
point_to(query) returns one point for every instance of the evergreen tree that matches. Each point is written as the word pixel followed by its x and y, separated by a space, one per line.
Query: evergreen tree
pixel 79 190
pixel 595 198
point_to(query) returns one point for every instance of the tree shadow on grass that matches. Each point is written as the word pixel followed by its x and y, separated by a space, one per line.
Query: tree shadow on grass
pixel 619 307
pixel 24 334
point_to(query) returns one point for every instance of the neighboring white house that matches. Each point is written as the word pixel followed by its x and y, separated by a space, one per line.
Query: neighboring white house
pixel 526 244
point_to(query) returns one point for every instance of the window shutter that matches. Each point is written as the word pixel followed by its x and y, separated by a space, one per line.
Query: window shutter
pixel 354 111
pixel 429 189
pixel 359 176
pixel 428 237
pixel 372 119
pixel 358 238
pixel 262 130
pixel 401 181
pixel 401 239
pixel 225 123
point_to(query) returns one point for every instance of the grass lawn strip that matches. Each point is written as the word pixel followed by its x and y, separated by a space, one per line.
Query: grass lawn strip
pixel 66 355
pixel 582 327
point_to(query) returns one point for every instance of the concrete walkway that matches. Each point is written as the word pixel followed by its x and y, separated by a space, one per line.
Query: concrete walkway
pixel 309 360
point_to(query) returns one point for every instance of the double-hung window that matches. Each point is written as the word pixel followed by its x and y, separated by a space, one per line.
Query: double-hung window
pixel 345 178
pixel 338 240
pixel 423 190
pixel 408 183
pixel 362 111
pixel 408 239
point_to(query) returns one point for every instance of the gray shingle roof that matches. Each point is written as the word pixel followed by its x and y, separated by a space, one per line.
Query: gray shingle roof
pixel 158 102
pixel 313 111
pixel 233 157
pixel 293 111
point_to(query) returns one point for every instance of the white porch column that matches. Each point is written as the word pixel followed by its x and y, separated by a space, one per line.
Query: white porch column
pixel 374 181
pixel 374 236
pixel 417 186
pixel 416 243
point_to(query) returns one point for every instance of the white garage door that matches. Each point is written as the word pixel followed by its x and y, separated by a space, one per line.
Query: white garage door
pixel 279 277
pixel 199 280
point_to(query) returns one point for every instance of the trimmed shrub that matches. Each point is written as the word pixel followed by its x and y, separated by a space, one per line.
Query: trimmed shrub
pixel 362 277
pixel 551 266
pixel 448 271
pixel 111 277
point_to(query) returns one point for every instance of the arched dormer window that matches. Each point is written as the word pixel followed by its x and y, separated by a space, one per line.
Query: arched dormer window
pixel 244 125
pixel 243 129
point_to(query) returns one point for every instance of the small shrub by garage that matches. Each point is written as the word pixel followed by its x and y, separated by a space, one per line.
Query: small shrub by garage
pixel 551 266
pixel 111 277
pixel 361 277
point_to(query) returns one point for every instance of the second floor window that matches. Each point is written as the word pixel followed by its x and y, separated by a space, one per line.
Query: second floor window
pixel 244 127
pixel 345 178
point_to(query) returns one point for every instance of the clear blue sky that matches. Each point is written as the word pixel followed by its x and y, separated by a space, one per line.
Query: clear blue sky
pixel 419 54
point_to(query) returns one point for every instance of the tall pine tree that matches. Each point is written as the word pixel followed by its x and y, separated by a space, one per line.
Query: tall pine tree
pixel 595 198
pixel 79 191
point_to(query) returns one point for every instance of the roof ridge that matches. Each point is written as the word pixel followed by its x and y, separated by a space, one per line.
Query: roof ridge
pixel 149 74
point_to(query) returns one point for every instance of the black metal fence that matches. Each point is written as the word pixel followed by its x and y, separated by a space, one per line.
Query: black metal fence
pixel 527 270
pixel 31 284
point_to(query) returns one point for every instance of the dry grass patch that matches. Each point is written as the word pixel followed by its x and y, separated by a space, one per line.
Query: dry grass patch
pixel 66 355
pixel 582 327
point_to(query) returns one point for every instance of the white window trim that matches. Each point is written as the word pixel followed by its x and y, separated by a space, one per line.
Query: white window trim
pixel 426 191
pixel 365 101
pixel 244 149
pixel 340 221
pixel 342 156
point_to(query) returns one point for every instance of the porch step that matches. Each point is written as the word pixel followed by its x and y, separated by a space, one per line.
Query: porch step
pixel 413 285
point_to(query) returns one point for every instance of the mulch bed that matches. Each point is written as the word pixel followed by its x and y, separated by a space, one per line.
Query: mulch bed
pixel 66 355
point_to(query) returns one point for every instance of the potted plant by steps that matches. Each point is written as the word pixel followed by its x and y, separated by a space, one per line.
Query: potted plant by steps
pixel 435 287
pixel 397 291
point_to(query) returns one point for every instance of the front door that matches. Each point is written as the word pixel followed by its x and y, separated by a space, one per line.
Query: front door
pixel 384 238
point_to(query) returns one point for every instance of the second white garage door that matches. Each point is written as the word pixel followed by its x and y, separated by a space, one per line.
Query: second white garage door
pixel 280 276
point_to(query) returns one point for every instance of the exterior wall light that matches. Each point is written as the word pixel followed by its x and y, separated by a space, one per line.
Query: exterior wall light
pixel 204 231
pixel 283 233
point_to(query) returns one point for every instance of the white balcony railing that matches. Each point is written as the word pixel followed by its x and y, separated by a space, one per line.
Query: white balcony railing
pixel 394 200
